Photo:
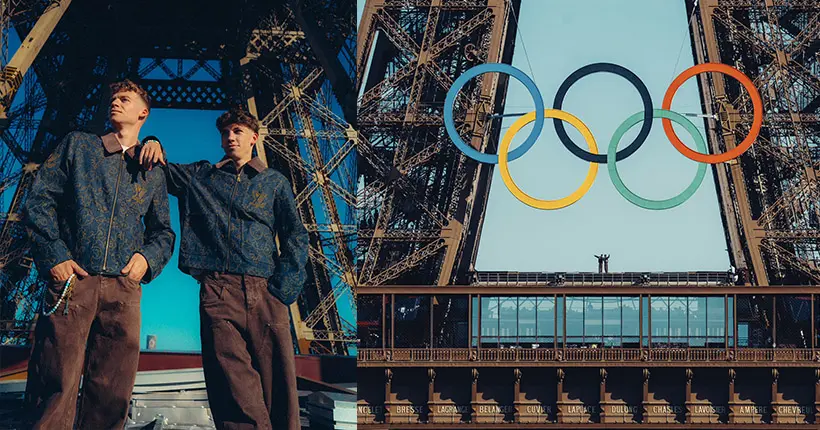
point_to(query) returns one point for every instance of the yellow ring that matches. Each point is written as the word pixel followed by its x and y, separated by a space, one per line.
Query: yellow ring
pixel 503 154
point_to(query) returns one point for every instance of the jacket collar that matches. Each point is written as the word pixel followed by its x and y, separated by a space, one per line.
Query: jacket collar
pixel 112 145
pixel 255 163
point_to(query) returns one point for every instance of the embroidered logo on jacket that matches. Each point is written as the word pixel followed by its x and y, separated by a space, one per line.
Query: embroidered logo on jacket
pixel 259 199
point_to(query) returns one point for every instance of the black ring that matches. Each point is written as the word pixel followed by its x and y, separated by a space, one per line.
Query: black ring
pixel 629 76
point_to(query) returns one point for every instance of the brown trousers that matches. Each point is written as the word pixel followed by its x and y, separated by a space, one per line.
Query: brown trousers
pixel 98 338
pixel 247 354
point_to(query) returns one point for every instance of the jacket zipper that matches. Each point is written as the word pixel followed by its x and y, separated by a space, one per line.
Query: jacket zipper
pixel 230 222
pixel 113 209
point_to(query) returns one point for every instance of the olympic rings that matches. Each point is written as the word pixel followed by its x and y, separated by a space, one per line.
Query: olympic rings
pixel 449 102
pixel 757 119
pixel 620 71
pixel 612 155
pixel 505 170
pixel 626 192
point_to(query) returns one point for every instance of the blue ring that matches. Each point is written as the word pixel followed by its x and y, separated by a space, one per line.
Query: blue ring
pixel 450 125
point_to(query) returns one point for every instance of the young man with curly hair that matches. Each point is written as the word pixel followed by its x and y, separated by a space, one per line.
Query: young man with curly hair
pixel 231 213
pixel 100 226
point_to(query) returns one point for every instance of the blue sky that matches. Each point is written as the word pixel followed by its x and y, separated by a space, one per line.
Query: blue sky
pixel 555 38
pixel 170 304
pixel 651 38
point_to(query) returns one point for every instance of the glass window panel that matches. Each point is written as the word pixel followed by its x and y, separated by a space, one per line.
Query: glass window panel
pixel 526 317
pixel 489 342
pixel 731 317
pixel 412 321
pixel 755 313
pixel 631 318
pixel 612 341
pixel 660 319
pixel 369 321
pixel 575 316
pixel 675 342
pixel 715 342
pixel 508 325
pixel 698 342
pixel 743 334
pixel 645 328
pixel 794 321
pixel 593 319
pixel 546 317
pixel 715 317
pixel 507 341
pixel 575 341
pixel 697 316
pixel 450 321
pixel 560 304
pixel 677 317
pixel 612 316
pixel 475 321
pixel 388 322
pixel 817 320
pixel 489 317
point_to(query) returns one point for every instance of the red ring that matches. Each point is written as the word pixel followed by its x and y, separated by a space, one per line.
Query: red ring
pixel 757 120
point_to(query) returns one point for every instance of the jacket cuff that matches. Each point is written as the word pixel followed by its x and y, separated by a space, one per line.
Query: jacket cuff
pixel 286 292
pixel 152 256
pixel 51 254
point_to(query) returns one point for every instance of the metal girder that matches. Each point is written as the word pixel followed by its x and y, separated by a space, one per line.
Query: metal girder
pixel 179 94
pixel 397 269
pixel 406 82
pixel 791 259
pixel 754 4
pixel 599 289
pixel 339 79
pixel 807 188
pixel 30 46
pixel 768 194
pixel 446 5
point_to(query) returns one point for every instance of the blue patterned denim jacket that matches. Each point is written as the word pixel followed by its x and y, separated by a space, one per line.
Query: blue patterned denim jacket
pixel 229 220
pixel 93 203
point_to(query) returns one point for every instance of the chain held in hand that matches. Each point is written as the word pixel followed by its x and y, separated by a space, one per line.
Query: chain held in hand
pixel 69 283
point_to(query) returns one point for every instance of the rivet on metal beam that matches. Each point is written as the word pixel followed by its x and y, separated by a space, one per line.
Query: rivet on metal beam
pixel 351 134
pixel 349 278
pixel 319 177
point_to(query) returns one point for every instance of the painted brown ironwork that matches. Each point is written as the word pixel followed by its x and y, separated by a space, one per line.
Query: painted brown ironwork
pixel 417 195
pixel 586 357
pixel 769 196
pixel 421 207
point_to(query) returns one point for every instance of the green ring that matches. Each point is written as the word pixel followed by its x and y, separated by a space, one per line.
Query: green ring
pixel 616 178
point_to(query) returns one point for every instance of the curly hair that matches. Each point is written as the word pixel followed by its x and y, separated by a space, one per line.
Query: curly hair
pixel 128 85
pixel 237 115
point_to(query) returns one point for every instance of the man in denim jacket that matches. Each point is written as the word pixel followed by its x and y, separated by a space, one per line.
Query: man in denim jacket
pixel 101 224
pixel 230 215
